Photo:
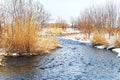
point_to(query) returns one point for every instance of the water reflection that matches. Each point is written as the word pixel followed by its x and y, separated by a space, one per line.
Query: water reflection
pixel 19 61
pixel 19 68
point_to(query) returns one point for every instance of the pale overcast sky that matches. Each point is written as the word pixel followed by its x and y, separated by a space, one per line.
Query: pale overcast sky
pixel 68 8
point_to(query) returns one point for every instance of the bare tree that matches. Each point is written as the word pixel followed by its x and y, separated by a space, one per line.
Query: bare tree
pixel 61 23
pixel 21 8
pixel 73 22
pixel 100 17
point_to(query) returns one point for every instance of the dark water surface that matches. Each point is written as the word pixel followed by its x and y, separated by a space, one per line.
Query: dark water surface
pixel 75 61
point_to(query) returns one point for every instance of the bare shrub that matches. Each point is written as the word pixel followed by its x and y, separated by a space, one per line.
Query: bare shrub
pixel 61 23
pixel 98 39
pixel 106 17
pixel 21 30
pixel 21 8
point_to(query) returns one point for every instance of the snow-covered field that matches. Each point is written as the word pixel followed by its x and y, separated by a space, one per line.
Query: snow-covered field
pixel 77 37
pixel 70 31
pixel 52 31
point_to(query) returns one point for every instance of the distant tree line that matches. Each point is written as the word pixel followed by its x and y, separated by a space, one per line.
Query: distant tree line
pixel 98 17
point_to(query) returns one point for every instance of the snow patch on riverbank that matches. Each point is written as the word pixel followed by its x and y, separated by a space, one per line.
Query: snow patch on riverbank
pixel 117 50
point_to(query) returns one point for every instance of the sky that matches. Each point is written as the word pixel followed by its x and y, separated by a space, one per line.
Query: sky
pixel 66 9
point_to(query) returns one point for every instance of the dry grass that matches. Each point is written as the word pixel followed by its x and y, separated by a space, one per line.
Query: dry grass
pixel 117 43
pixel 55 31
pixel 24 38
pixel 98 39
pixel 48 44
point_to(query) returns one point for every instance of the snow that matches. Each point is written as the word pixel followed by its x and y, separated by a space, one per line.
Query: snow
pixel 118 56
pixel 70 30
pixel 75 35
pixel 117 50
pixel 100 47
pixel 81 41
pixel 15 54
pixel 46 31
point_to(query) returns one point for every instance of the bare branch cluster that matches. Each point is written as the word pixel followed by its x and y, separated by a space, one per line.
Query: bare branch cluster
pixel 13 9
pixel 106 16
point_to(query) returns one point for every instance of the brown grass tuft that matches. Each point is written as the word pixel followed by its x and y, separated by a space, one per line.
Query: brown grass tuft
pixel 98 39
pixel 117 43
pixel 48 44
pixel 24 38
pixel 55 31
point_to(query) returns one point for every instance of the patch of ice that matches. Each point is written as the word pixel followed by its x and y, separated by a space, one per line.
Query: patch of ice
pixel 15 54
pixel 117 50
pixel 100 47
pixel 118 56
pixel 71 30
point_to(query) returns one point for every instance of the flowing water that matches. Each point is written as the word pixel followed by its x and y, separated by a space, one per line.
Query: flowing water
pixel 75 61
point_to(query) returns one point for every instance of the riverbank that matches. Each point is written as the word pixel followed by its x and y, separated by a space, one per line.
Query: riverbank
pixel 74 61
pixel 83 39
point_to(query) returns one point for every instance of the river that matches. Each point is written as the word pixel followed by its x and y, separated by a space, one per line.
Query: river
pixel 75 61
